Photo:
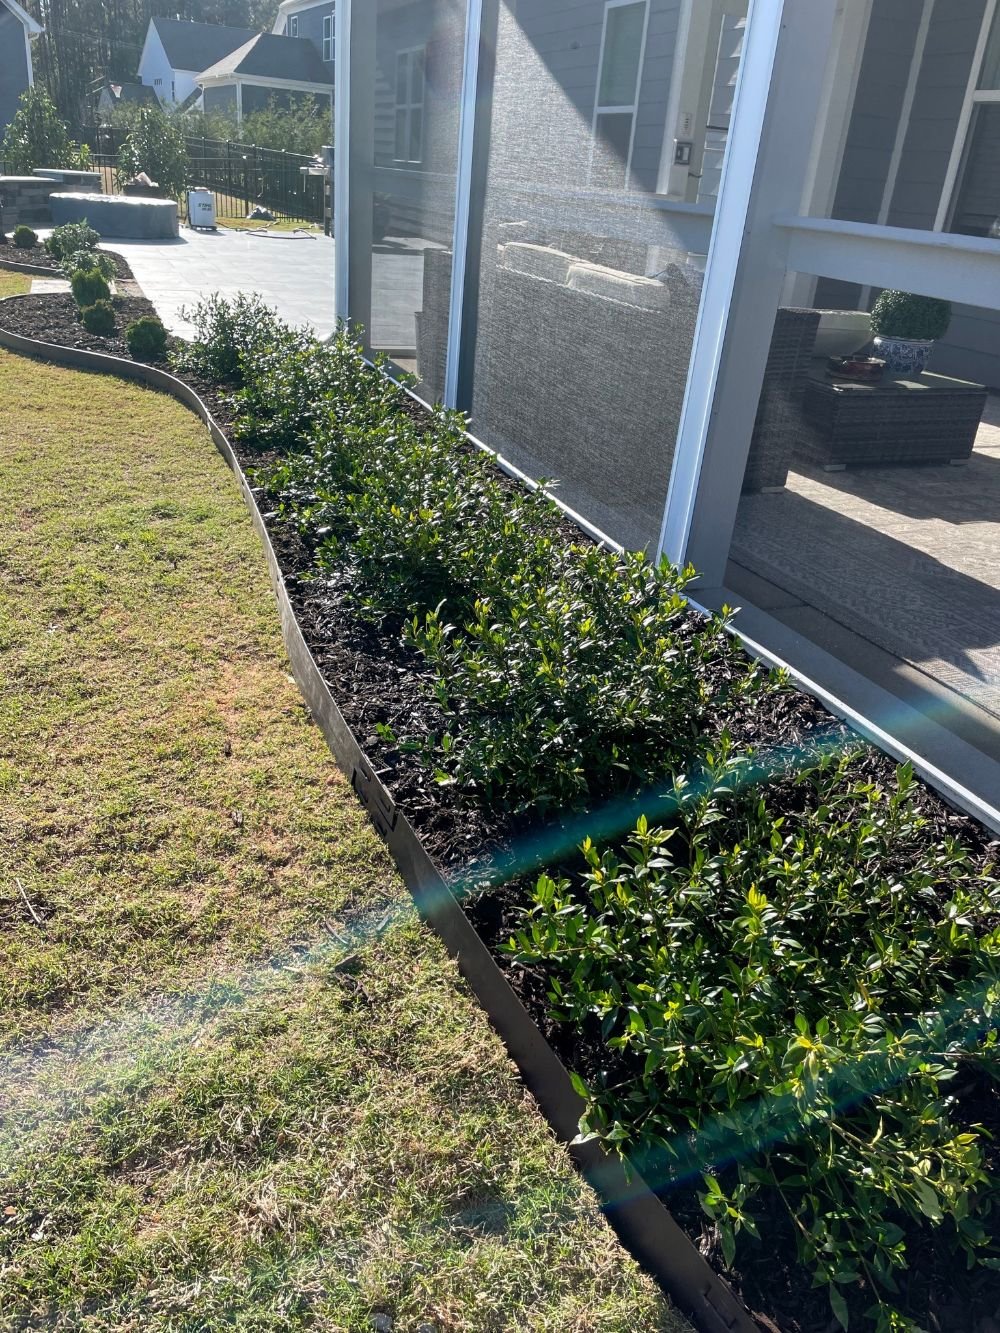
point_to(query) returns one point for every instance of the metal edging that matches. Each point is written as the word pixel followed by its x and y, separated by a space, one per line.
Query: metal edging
pixel 33 270
pixel 642 1222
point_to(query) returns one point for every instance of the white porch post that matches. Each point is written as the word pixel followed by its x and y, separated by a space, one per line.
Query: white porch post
pixel 354 157
pixel 239 103
pixel 777 100
pixel 463 196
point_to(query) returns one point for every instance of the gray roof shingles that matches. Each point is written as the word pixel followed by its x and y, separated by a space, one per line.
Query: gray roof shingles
pixel 195 46
pixel 274 57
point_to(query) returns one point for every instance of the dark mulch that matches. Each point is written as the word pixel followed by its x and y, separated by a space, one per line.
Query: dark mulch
pixel 39 257
pixel 376 680
pixel 54 317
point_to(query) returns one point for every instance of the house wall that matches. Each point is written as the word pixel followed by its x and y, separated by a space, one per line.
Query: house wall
pixel 311 24
pixel 14 70
pixel 564 38
pixel 153 65
pixel 971 349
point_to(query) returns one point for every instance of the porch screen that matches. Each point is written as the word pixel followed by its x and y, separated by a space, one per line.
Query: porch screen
pixel 589 280
pixel 977 203
pixel 419 47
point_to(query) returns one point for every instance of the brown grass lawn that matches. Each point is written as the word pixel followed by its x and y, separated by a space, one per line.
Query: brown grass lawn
pixel 240 1085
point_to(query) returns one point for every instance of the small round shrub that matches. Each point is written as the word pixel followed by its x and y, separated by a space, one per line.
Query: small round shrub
pixel 89 286
pixel 147 339
pixel 71 237
pixel 89 261
pixel 24 238
pixel 99 317
pixel 903 315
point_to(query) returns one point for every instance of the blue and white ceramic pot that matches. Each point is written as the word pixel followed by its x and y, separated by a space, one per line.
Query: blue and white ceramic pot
pixel 903 356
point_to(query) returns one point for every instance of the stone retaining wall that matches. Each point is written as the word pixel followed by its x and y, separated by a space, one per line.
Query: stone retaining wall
pixel 24 200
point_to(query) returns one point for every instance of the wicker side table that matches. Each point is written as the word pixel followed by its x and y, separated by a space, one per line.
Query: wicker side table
pixel 927 419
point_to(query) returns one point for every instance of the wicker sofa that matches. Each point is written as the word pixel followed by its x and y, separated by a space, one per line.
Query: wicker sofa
pixel 581 368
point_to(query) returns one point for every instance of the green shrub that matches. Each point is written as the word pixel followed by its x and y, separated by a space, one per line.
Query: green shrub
pixel 902 315
pixel 228 333
pixel 88 261
pixel 147 339
pixel 37 137
pixel 24 238
pixel 564 690
pixel 99 317
pixel 70 238
pixel 89 286
pixel 786 997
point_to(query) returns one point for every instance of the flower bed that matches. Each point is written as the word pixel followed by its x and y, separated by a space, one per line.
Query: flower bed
pixel 777 986
pixel 39 258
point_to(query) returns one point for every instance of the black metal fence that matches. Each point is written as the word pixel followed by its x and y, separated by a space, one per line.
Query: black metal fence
pixel 239 175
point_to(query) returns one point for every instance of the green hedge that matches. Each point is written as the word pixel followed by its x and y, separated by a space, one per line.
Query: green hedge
pixel 790 974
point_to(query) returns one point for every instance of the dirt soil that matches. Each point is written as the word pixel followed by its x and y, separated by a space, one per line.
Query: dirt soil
pixel 376 680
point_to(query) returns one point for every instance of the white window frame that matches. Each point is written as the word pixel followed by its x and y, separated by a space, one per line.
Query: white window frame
pixel 974 97
pixel 410 105
pixel 632 109
pixel 328 48
pixel 293 25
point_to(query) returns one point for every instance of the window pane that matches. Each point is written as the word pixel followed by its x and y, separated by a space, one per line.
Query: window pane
pixel 991 65
pixel 417 77
pixel 416 133
pixel 402 72
pixel 977 208
pixel 399 152
pixel 620 65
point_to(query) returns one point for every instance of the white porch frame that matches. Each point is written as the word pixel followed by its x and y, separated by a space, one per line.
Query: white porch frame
pixel 773 172
pixel 973 95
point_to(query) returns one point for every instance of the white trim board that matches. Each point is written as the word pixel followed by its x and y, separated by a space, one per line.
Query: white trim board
pixel 964 269
pixel 264 81
pixel 31 26
pixel 463 197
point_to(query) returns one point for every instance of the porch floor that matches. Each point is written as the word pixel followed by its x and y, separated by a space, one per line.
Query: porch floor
pixel 894 570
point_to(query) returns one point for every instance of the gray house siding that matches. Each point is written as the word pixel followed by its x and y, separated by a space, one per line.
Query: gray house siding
pixel 13 66
pixel 971 349
pixel 310 23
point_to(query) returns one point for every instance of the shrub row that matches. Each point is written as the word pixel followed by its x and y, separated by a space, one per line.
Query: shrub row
pixel 789 978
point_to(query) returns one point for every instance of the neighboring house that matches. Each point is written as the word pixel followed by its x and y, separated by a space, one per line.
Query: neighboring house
pixel 267 68
pixel 114 95
pixel 176 51
pixel 312 19
pixel 17 30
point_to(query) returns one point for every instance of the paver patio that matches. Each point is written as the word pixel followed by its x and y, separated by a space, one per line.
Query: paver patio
pixel 292 272
pixel 896 570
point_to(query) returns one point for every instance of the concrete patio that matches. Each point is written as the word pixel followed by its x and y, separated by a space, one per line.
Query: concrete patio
pixel 291 271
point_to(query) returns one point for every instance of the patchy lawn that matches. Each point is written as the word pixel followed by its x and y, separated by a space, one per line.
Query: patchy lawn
pixel 240 1086
pixel 14 284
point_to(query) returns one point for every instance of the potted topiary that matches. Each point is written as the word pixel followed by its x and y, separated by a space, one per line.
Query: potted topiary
pixel 906 327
